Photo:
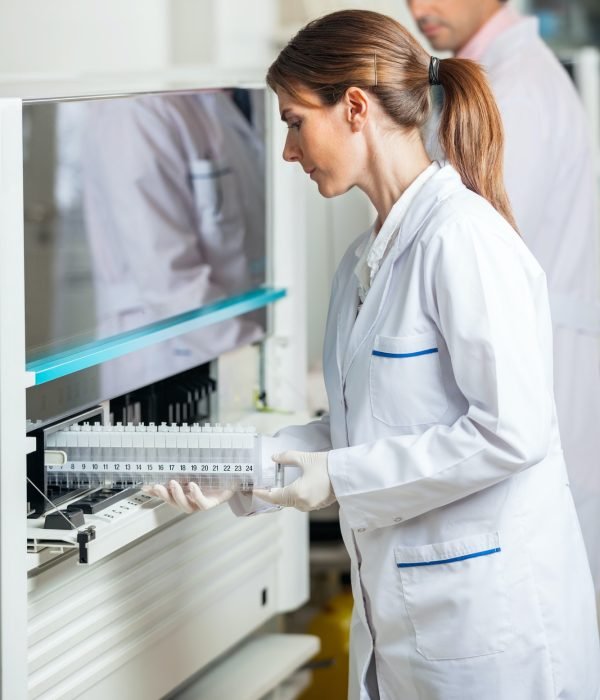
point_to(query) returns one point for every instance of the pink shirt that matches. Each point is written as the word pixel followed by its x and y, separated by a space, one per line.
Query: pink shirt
pixel 480 41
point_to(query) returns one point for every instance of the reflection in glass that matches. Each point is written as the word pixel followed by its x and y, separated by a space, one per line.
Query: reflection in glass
pixel 141 208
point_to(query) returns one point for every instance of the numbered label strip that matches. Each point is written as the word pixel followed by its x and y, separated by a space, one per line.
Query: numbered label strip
pixel 244 468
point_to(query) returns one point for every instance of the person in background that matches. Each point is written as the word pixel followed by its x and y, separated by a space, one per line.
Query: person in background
pixel 552 187
pixel 441 445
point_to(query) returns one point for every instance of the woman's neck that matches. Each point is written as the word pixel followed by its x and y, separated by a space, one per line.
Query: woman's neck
pixel 394 162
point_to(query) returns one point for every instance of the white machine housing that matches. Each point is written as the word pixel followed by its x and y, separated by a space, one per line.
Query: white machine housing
pixel 163 595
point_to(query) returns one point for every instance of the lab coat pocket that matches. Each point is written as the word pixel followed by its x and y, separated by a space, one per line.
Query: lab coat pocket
pixel 455 597
pixel 215 190
pixel 405 379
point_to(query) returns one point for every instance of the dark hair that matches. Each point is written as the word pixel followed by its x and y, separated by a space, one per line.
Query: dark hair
pixel 360 48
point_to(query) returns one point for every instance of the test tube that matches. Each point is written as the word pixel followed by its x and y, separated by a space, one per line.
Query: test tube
pixel 194 444
pixel 73 443
pixel 226 453
pixel 238 445
pixel 138 444
pixel 94 443
pixel 193 453
pixel 126 455
pixel 115 449
pixel 171 443
pixel 105 449
pixel 204 456
pixel 160 450
pixel 183 444
pixel 129 451
pixel 148 457
pixel 51 444
pixel 149 443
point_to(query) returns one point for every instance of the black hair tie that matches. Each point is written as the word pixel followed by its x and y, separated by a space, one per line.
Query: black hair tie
pixel 434 71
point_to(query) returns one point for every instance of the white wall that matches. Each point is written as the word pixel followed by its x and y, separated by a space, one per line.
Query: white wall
pixel 65 38
pixel 300 11
pixel 71 37
pixel 193 38
pixel 224 32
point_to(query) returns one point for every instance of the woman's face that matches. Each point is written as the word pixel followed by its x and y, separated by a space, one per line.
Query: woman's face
pixel 321 139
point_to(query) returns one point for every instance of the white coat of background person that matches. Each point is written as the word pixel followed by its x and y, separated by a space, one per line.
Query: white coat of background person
pixel 469 572
pixel 175 216
pixel 550 179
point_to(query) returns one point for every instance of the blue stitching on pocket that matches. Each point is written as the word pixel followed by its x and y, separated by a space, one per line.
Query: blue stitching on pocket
pixel 449 561
pixel 380 353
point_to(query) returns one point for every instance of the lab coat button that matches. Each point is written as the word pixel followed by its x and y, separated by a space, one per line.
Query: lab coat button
pixel 361 529
pixel 398 519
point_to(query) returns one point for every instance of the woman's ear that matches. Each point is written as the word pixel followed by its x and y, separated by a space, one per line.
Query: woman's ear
pixel 356 106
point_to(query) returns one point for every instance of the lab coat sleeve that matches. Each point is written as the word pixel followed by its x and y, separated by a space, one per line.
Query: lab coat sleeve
pixel 312 437
pixel 481 299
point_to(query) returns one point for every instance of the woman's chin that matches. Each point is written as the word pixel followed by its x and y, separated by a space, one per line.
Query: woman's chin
pixel 328 190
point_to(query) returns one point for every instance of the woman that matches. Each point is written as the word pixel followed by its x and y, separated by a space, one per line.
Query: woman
pixel 442 447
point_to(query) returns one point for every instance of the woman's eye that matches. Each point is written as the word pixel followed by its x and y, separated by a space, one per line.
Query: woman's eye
pixel 294 125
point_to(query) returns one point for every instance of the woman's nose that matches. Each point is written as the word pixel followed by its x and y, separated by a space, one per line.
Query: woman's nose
pixel 291 152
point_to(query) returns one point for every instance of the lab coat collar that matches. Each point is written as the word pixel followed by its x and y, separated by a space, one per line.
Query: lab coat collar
pixel 352 329
pixel 439 186
pixel 365 240
pixel 445 180
pixel 502 20
pixel 372 257
pixel 512 40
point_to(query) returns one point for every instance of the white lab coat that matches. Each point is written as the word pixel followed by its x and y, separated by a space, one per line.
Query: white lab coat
pixel 445 452
pixel 174 207
pixel 552 187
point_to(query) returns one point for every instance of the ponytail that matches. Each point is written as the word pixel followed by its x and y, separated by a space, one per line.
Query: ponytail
pixel 471 133
pixel 360 48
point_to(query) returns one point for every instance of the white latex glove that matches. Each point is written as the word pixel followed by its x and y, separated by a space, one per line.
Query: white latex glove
pixel 189 500
pixel 311 491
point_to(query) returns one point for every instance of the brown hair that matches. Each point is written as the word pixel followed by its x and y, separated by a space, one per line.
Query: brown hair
pixel 360 48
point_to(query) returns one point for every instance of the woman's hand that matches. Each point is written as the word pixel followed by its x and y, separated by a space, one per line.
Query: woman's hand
pixel 311 491
pixel 190 499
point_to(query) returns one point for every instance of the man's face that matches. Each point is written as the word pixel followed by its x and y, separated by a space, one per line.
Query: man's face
pixel 450 24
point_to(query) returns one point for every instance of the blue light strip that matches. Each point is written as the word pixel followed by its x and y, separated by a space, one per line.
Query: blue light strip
pixel 449 561
pixel 380 353
pixel 96 352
